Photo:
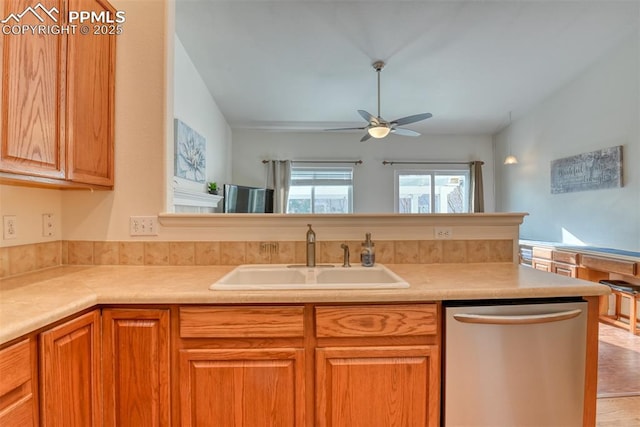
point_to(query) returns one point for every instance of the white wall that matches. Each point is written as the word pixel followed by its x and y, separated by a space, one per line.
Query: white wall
pixel 28 205
pixel 599 109
pixel 194 105
pixel 373 182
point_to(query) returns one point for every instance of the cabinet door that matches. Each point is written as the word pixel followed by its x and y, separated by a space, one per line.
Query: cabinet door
pixel 541 265
pixel 377 386
pixel 70 373
pixel 136 367
pixel 31 92
pixel 253 387
pixel 565 270
pixel 90 101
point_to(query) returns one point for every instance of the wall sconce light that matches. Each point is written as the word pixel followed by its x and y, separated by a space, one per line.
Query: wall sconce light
pixel 510 159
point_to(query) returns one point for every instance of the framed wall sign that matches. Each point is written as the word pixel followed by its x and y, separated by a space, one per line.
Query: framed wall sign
pixel 595 170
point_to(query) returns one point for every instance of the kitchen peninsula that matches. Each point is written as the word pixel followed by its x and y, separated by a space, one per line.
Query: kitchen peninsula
pixel 167 317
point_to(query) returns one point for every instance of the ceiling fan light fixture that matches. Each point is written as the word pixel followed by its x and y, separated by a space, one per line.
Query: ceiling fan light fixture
pixel 379 131
pixel 379 128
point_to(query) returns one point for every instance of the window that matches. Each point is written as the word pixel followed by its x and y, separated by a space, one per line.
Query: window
pixel 432 191
pixel 321 190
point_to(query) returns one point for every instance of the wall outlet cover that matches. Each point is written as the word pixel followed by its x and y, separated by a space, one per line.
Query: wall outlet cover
pixel 10 230
pixel 143 226
pixel 441 233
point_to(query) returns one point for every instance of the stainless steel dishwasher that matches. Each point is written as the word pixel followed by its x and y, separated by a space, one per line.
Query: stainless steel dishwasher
pixel 515 364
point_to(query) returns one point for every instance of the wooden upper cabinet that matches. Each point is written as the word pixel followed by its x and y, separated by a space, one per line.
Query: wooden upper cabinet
pixel 57 100
pixel 31 87
pixel 70 373
pixel 90 101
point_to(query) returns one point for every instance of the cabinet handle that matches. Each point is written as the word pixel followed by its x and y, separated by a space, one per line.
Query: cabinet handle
pixel 530 319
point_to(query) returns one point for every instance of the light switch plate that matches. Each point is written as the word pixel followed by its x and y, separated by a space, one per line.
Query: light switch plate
pixel 48 227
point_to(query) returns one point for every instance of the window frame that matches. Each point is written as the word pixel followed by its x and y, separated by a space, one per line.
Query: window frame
pixel 313 183
pixel 433 172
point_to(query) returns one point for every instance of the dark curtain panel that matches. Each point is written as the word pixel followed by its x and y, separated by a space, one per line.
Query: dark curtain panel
pixel 477 188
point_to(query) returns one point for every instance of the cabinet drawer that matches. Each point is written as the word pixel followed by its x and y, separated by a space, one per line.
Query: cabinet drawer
pixel 15 366
pixel 241 322
pixel 19 414
pixel 566 257
pixel 376 320
pixel 544 253
pixel 609 265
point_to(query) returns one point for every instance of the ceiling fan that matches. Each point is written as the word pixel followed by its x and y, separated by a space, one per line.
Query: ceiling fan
pixel 378 127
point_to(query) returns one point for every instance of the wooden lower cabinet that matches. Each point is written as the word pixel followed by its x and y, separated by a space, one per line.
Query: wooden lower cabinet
pixel 18 379
pixel 377 386
pixel 212 365
pixel 136 370
pixel 242 387
pixel 542 265
pixel 70 369
pixel 565 269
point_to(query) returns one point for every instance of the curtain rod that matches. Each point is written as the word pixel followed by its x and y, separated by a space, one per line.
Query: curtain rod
pixel 356 162
pixel 387 162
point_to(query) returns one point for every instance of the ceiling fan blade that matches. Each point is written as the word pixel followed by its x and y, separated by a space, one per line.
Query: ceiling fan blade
pixel 411 119
pixel 404 132
pixel 368 116
pixel 360 128
pixel 365 137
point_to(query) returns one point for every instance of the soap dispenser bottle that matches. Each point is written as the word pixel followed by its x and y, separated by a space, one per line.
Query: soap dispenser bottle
pixel 368 255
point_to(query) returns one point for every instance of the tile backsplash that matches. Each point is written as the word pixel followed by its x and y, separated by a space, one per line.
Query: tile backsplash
pixel 22 259
pixel 16 260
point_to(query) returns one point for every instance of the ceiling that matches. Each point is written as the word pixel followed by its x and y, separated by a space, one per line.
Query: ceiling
pixel 306 64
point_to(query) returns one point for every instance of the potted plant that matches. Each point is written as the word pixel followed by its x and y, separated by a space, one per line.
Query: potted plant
pixel 212 188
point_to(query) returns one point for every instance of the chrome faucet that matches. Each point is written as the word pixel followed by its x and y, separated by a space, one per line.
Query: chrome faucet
pixel 311 247
pixel 345 254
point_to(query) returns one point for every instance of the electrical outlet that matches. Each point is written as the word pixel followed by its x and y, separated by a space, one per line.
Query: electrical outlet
pixel 10 230
pixel 48 229
pixel 443 232
pixel 143 226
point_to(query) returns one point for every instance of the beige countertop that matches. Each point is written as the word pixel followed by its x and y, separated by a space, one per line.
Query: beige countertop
pixel 34 300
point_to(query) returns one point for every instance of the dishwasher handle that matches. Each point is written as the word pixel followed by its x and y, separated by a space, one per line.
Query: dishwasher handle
pixel 518 319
